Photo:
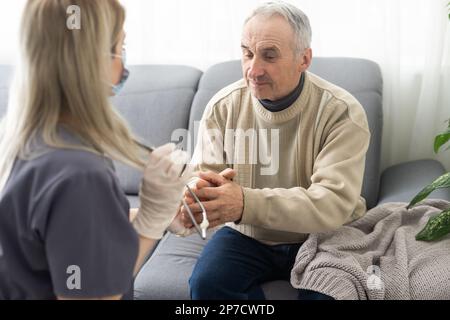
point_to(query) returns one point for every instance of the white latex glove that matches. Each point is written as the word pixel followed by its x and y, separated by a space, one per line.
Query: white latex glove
pixel 161 191
pixel 177 227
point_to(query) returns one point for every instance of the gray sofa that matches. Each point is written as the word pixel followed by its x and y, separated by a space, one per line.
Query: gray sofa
pixel 159 101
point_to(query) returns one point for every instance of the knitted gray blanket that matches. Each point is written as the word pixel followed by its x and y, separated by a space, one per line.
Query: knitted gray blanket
pixel 377 257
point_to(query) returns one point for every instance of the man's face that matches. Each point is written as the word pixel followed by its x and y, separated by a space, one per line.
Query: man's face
pixel 271 66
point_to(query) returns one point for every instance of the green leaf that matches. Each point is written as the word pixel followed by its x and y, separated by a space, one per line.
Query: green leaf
pixel 441 140
pixel 440 183
pixel 436 228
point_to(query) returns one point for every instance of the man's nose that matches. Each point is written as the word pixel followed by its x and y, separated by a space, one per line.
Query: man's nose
pixel 256 69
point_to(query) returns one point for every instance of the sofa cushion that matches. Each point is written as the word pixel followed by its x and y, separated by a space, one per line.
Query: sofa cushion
pixel 134 201
pixel 156 101
pixel 215 78
pixel 360 77
pixel 165 276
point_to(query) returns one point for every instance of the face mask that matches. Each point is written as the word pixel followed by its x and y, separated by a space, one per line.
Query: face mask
pixel 125 74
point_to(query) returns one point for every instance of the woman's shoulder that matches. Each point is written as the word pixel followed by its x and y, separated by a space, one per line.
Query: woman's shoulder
pixel 72 159
pixel 50 166
pixel 58 174
pixel 71 162
pixel 62 169
pixel 47 171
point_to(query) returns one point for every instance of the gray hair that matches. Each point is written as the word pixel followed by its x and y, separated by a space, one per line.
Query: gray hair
pixel 298 20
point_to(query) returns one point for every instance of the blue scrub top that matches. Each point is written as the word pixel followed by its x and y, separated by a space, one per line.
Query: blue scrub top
pixel 64 227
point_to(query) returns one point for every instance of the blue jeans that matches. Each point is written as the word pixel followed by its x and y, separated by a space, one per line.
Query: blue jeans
pixel 233 266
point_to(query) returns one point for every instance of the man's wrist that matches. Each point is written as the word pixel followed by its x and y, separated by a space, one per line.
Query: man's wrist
pixel 238 221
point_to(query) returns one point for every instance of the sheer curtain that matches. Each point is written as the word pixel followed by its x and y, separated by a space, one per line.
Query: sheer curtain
pixel 409 39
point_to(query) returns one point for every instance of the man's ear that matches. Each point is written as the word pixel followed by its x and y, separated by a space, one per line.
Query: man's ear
pixel 305 60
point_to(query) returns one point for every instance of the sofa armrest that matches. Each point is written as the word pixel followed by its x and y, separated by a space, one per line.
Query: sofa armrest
pixel 402 182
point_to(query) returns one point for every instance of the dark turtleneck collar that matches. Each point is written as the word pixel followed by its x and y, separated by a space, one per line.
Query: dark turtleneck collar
pixel 286 102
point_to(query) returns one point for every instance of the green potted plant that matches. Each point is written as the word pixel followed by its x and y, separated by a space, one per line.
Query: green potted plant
pixel 439 226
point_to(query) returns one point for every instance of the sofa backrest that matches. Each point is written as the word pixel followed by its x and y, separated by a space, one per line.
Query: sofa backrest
pixel 362 78
pixel 156 101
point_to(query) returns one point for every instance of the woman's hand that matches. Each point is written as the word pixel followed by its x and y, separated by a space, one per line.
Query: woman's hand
pixel 161 191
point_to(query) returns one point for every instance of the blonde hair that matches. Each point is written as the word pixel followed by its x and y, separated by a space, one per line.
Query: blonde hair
pixel 66 72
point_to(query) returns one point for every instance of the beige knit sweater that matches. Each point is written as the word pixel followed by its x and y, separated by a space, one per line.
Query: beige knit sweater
pixel 378 257
pixel 301 169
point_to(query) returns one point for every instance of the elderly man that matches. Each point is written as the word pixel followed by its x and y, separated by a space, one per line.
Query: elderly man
pixel 311 138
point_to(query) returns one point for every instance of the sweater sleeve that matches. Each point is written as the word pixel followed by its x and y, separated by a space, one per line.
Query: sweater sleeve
pixel 209 153
pixel 334 192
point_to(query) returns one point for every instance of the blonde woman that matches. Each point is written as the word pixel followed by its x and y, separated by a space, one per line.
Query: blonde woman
pixel 64 220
